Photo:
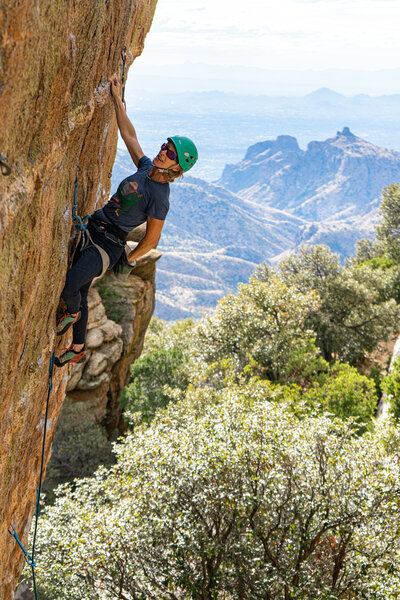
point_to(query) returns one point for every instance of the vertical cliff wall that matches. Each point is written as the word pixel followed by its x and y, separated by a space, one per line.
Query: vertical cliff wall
pixel 55 114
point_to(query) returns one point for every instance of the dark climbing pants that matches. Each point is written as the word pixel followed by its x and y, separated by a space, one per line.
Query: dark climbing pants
pixel 86 266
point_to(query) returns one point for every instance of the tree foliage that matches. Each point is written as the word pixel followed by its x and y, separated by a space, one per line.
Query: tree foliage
pixel 391 387
pixel 345 393
pixel 162 367
pixel 80 445
pixel 266 478
pixel 228 495
pixel 383 253
pixel 260 330
pixel 388 230
pixel 354 313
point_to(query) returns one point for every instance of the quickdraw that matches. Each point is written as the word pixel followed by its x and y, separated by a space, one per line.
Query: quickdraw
pixel 5 167
pixel 123 78
pixel 80 223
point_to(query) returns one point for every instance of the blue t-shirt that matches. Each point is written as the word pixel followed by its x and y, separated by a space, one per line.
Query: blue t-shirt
pixel 137 198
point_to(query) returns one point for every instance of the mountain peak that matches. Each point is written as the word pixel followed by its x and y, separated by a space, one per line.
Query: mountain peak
pixel 346 132
pixel 324 93
pixel 287 142
pixel 319 183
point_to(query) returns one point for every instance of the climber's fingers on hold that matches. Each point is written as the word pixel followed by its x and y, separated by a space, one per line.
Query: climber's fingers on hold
pixel 114 85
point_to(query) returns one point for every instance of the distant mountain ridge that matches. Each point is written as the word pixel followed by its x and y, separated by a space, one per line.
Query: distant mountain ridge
pixel 224 124
pixel 339 178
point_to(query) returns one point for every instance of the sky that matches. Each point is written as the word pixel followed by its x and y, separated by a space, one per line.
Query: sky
pixel 210 39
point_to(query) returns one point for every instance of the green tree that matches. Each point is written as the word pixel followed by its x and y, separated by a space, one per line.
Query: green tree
pixel 162 368
pixel 229 495
pixel 388 229
pixel 345 393
pixel 260 330
pixel 354 313
pixel 168 336
pixel 80 445
pixel 372 255
pixel 366 249
pixel 391 388
pixel 383 253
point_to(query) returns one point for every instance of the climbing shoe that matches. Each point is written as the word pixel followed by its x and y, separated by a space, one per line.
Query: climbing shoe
pixel 70 356
pixel 66 321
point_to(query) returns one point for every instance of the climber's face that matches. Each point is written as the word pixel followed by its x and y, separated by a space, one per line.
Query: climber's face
pixel 164 159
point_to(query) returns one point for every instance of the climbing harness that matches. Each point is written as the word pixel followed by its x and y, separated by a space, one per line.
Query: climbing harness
pixel 30 558
pixel 123 78
pixel 81 224
pixel 5 167
pixel 104 256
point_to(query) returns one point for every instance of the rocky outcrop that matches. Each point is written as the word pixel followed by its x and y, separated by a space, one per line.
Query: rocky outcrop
pixel 114 340
pixel 56 114
pixel 339 178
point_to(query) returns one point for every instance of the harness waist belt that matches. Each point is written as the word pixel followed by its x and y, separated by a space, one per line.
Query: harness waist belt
pixel 113 229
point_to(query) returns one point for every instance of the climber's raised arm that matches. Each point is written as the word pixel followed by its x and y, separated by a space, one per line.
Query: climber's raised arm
pixel 125 126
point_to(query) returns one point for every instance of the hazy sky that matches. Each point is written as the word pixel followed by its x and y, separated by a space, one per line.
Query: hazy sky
pixel 275 34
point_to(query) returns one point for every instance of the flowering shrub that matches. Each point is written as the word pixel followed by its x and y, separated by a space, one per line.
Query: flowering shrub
pixel 229 495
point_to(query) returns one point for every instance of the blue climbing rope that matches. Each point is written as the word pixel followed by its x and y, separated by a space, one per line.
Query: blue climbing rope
pixel 81 225
pixel 30 558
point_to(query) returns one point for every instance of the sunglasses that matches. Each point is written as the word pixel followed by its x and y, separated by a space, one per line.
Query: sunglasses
pixel 170 153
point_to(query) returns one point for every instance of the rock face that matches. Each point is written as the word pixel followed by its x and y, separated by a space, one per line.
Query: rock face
pixel 56 114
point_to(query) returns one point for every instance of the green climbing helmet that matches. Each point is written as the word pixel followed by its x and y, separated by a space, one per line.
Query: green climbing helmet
pixel 186 150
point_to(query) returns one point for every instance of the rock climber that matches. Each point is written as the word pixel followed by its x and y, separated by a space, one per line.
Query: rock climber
pixel 141 197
